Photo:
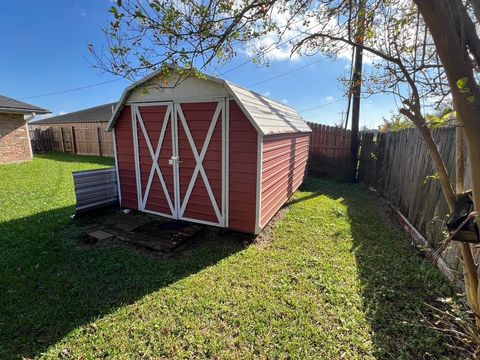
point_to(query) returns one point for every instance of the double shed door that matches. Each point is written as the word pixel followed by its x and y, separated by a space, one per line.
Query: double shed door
pixel 180 159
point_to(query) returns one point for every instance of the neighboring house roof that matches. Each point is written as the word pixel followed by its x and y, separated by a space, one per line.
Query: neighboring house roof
pixel 101 113
pixel 267 115
pixel 9 105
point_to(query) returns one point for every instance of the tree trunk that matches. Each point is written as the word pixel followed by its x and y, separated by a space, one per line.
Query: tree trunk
pixel 446 28
pixel 442 24
pixel 459 160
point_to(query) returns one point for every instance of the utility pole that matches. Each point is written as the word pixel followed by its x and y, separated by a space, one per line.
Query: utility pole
pixel 356 89
pixel 342 113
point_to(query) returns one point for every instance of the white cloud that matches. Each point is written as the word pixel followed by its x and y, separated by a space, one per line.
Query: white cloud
pixel 40 117
pixel 269 43
pixel 329 98
pixel 285 101
pixel 266 93
pixel 79 10
pixel 46 116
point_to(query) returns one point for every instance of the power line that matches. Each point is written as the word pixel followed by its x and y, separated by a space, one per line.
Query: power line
pixel 294 70
pixel 70 90
pixel 284 74
pixel 320 106
pixel 269 50
pixel 225 72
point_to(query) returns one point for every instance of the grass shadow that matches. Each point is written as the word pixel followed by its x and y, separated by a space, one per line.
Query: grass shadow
pixel 395 280
pixel 67 157
pixel 49 285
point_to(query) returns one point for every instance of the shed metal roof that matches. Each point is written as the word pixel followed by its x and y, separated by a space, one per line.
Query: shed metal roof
pixel 101 113
pixel 267 115
pixel 272 117
pixel 9 105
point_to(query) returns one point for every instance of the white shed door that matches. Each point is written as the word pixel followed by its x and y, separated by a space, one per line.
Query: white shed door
pixel 180 152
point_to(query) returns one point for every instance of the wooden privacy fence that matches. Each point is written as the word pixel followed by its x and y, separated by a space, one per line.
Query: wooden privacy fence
pixel 398 165
pixel 41 140
pixel 329 151
pixel 82 140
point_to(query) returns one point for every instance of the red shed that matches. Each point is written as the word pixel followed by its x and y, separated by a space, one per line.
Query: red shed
pixel 207 151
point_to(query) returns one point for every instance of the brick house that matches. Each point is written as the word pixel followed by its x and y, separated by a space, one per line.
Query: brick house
pixel 14 136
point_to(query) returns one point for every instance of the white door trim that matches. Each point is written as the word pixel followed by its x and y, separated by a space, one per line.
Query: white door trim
pixel 155 156
pixel 199 160
pixel 176 170
pixel 136 157
pixel 155 168
pixel 175 115
pixel 119 188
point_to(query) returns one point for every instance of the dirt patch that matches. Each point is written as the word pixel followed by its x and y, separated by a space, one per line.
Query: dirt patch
pixel 267 236
pixel 161 237
pixel 155 236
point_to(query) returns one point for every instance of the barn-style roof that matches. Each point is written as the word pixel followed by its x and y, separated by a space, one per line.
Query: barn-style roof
pixel 267 116
pixel 9 105
pixel 101 113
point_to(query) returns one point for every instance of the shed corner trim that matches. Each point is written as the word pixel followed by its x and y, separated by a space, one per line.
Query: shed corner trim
pixel 242 106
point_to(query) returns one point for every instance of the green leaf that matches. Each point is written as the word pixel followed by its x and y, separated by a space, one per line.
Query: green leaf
pixel 447 112
pixel 436 121
pixel 431 177
pixel 462 83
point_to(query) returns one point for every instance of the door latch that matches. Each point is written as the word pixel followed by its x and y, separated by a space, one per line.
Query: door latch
pixel 173 160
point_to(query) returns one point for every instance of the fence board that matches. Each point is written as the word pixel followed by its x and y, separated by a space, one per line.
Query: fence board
pixel 329 151
pixel 83 140
pixel 398 165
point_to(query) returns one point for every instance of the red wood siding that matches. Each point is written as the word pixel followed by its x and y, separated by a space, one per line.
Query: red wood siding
pixel 126 159
pixel 242 171
pixel 284 162
pixel 199 117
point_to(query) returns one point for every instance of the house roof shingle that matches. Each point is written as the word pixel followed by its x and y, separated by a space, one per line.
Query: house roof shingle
pixel 10 105
pixel 101 113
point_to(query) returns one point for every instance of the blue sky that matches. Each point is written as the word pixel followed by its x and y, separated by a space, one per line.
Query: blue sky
pixel 45 51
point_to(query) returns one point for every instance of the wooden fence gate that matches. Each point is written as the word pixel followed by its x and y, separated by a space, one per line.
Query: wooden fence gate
pixel 329 151
pixel 41 140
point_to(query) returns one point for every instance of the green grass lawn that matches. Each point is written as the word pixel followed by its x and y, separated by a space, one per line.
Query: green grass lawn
pixel 338 281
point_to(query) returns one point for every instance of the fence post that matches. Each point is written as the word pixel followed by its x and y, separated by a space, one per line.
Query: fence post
pixel 61 139
pixel 49 139
pixel 41 145
pixel 72 132
pixel 98 142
